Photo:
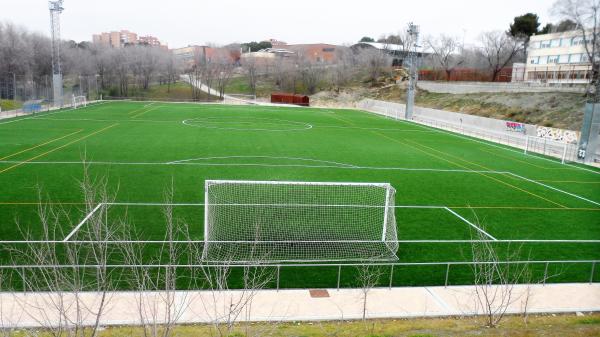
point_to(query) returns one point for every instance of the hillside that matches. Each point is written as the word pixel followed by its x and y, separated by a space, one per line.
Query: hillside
pixel 555 109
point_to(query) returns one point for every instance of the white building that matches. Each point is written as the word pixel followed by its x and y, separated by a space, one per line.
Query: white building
pixel 558 58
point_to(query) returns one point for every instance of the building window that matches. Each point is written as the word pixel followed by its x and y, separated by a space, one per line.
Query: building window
pixel 535 60
pixel 328 50
pixel 545 44
pixel 575 58
pixel 553 59
pixel 563 59
pixel 543 60
pixel 555 43
pixel 576 41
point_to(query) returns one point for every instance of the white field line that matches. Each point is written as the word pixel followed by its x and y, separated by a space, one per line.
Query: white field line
pixel 471 224
pixel 337 166
pixel 555 189
pixel 150 204
pixel 349 167
pixel 263 157
pixel 82 222
pixel 43 114
pixel 315 126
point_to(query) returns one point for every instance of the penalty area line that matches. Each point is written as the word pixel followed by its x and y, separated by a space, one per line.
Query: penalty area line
pixel 87 217
pixel 554 188
pixel 471 224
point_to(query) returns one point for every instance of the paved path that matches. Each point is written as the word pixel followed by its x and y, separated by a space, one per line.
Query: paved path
pixel 34 309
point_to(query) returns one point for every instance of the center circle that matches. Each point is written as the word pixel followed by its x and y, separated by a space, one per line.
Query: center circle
pixel 247 124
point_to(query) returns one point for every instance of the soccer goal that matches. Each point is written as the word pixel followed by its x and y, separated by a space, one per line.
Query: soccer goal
pixel 273 221
pixel 79 101
pixel 241 98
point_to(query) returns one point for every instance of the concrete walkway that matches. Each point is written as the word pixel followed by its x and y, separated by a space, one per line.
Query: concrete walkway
pixel 40 309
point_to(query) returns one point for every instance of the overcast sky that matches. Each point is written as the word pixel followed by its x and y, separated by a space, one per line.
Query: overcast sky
pixel 183 22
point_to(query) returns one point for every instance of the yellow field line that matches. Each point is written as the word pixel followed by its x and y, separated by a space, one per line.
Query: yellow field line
pixel 140 109
pixel 143 112
pixel 514 159
pixel 58 148
pixel 485 175
pixel 570 181
pixel 456 164
pixel 46 143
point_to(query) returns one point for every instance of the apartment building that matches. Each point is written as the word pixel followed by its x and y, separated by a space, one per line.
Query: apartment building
pixel 120 39
pixel 558 58
pixel 191 55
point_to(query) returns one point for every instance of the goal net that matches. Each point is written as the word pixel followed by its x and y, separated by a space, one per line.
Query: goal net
pixel 268 222
pixel 79 101
pixel 240 99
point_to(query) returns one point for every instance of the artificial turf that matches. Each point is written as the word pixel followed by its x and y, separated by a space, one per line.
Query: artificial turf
pixel 145 148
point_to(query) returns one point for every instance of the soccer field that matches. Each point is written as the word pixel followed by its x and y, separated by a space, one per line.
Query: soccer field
pixel 447 185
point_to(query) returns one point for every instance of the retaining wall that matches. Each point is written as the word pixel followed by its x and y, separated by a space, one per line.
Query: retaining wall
pixel 479 87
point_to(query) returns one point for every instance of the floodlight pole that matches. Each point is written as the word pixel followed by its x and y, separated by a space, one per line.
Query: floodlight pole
pixel 413 31
pixel 56 7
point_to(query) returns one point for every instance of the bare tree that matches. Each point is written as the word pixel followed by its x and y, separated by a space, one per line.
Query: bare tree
pixel 446 52
pixel 499 49
pixel 250 67
pixel 63 270
pixel 223 69
pixel 368 277
pixel 224 306
pixel 375 61
pixel 586 14
pixel 496 276
pixel 344 69
pixel 310 75
pixel 159 306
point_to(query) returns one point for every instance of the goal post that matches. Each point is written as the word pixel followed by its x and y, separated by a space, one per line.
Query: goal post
pixel 79 101
pixel 278 221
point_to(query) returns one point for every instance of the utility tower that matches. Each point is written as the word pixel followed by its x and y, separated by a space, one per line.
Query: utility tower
pixel 413 59
pixel 56 7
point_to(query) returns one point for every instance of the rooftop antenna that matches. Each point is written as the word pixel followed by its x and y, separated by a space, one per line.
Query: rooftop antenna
pixel 56 7
pixel 413 59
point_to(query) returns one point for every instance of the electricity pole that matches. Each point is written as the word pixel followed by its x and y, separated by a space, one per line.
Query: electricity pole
pixel 413 58
pixel 56 7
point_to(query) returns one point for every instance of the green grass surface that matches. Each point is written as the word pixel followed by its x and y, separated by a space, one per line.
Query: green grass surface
pixel 144 148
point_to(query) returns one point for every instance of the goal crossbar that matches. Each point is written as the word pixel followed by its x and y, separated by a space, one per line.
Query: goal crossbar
pixel 291 221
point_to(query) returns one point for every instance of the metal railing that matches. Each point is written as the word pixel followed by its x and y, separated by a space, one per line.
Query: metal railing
pixel 566 152
pixel 172 268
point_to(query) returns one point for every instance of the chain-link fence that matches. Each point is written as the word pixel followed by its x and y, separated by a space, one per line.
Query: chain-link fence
pixel 24 94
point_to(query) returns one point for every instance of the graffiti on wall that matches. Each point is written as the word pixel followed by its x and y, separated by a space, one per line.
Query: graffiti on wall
pixel 515 127
pixel 560 135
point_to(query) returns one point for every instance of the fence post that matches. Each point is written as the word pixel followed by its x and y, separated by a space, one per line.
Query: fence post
pixel 391 277
pixel 339 276
pixel 526 144
pixel 545 141
pixel 592 274
pixel 546 272
pixel 278 268
pixel 564 156
pixel 447 272
pixel 24 280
